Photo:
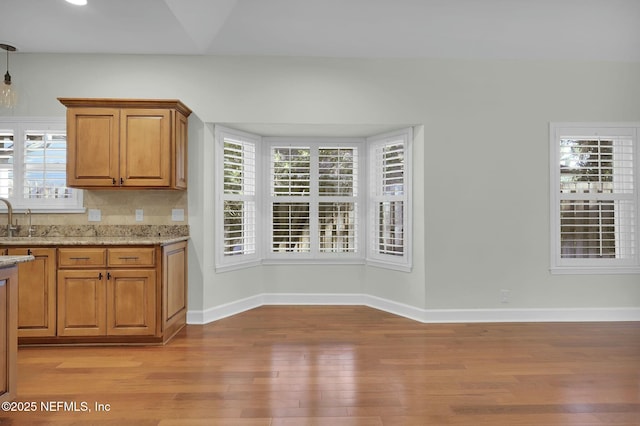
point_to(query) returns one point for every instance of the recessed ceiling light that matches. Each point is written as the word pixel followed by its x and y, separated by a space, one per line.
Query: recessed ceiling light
pixel 77 2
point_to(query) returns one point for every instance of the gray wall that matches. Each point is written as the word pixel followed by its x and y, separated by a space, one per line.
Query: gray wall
pixel 481 194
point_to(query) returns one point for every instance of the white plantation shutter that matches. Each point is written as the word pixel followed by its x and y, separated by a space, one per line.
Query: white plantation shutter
pixel 6 163
pixel 337 207
pixel 389 191
pixel 239 197
pixel 595 213
pixel 290 228
pixel 33 157
pixel 45 163
pixel 290 181
pixel 390 228
pixel 338 171
pixel 290 171
pixel 313 200
pixel 389 233
pixel 597 229
pixel 239 227
pixel 338 227
pixel 237 214
pixel 239 167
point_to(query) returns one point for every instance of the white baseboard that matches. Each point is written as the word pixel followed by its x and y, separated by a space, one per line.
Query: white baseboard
pixel 414 313
pixel 223 311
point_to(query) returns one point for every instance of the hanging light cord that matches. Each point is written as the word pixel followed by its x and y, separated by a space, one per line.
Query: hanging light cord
pixel 8 48
pixel 7 76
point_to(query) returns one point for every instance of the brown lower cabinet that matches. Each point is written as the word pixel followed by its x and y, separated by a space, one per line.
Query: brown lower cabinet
pixel 82 303
pixel 104 294
pixel 118 302
pixel 36 292
pixel 8 338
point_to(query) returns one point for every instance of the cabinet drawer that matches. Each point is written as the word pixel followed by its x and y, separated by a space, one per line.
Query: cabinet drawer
pixel 132 256
pixel 82 257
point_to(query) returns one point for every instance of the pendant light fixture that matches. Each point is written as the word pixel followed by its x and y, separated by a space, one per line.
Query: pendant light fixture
pixel 8 94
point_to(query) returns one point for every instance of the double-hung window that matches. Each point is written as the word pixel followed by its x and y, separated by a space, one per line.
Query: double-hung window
pixel 595 205
pixel 389 199
pixel 237 197
pixel 314 200
pixel 33 166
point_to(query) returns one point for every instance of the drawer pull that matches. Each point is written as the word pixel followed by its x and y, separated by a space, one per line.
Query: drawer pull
pixel 128 258
pixel 79 258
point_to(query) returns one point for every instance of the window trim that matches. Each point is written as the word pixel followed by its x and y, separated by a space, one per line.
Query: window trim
pixel 228 263
pixel 264 213
pixel 374 258
pixel 314 256
pixel 21 124
pixel 592 265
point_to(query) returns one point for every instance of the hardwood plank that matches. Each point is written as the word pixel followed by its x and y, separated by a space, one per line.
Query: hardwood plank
pixel 345 365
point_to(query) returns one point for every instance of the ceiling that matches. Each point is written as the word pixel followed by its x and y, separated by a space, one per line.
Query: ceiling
pixel 505 29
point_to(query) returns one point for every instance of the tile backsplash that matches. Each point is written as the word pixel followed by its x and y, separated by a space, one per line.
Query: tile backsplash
pixel 117 207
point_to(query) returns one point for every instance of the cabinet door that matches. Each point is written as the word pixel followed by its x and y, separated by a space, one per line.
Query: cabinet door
pixel 8 337
pixel 145 147
pixel 4 325
pixel 179 167
pixel 81 302
pixel 37 292
pixel 93 147
pixel 131 302
pixel 174 286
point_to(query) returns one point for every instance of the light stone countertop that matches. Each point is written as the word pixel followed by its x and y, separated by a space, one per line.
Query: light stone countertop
pixel 89 241
pixel 8 261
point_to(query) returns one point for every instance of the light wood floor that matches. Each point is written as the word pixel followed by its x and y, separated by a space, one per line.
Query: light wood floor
pixel 344 366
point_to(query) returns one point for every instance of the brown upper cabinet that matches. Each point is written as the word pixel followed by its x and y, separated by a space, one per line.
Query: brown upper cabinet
pixel 126 143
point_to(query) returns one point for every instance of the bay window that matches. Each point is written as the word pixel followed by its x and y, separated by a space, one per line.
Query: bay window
pixel 318 200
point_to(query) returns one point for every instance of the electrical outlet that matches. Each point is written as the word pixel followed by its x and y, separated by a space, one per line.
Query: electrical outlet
pixel 505 295
pixel 177 215
pixel 95 215
pixel 139 215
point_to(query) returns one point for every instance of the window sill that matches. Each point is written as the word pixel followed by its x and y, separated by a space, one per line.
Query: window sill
pixel 388 265
pixel 237 266
pixel 332 262
pixel 605 270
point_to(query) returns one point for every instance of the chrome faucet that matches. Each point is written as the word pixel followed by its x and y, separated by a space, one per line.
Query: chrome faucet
pixel 30 229
pixel 10 226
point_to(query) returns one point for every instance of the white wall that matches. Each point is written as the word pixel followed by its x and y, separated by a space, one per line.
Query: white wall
pixel 482 189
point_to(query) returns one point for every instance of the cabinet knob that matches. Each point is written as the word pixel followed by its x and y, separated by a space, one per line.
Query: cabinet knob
pixel 113 181
pixel 100 275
